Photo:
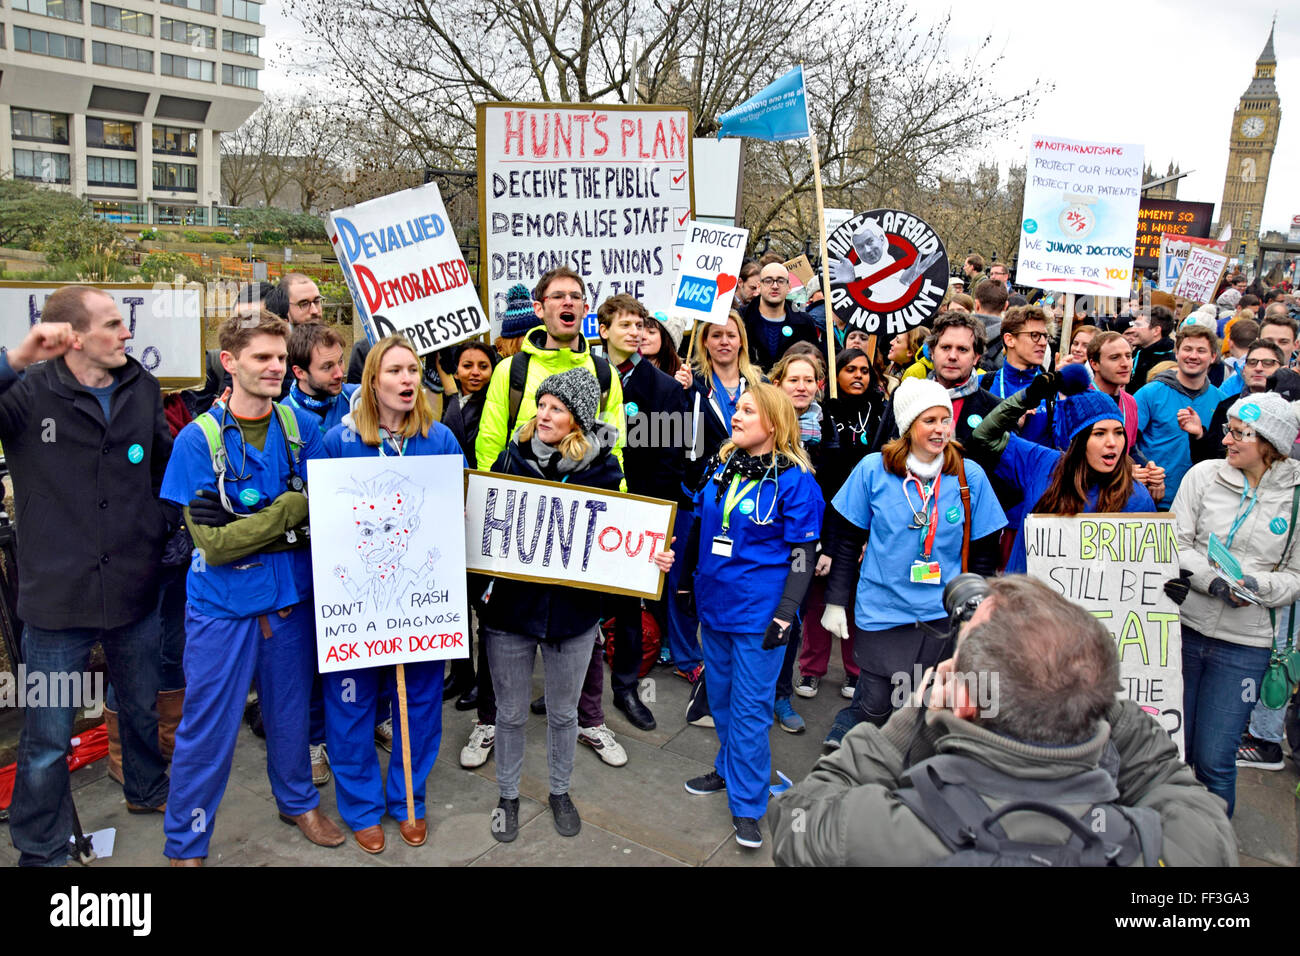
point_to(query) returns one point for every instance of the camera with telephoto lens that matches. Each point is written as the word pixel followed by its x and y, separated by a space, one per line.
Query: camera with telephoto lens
pixel 961 596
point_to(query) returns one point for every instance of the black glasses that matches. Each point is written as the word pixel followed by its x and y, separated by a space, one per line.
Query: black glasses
pixel 1238 434
pixel 1262 363
pixel 308 303
pixel 1035 337
pixel 773 280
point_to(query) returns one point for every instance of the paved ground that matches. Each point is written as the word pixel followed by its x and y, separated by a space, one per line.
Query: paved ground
pixel 636 815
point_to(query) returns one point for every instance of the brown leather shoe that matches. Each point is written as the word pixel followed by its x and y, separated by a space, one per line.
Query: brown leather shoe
pixel 190 861
pixel 317 827
pixel 170 705
pixel 136 808
pixel 371 839
pixel 413 832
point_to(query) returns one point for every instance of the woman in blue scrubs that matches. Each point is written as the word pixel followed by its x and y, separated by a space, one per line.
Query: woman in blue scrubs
pixel 908 497
pixel 391 417
pixel 760 513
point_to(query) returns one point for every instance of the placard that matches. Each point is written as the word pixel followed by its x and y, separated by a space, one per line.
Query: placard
pixel 165 322
pixel 604 190
pixel 405 270
pixel 555 533
pixel 388 574
pixel 1167 217
pixel 1115 566
pixel 1080 216
pixel 1173 256
pixel 889 271
pixel 710 270
pixel 1200 276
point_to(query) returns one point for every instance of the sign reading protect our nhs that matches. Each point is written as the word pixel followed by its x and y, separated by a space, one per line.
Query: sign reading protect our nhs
pixel 711 262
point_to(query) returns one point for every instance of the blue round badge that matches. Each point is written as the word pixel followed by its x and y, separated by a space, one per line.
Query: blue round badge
pixel 787 331
pixel 974 420
pixel 1277 526
pixel 135 454
pixel 746 506
pixel 863 438
pixel 631 409
pixel 1030 226
pixel 249 497
pixel 953 514
pixel 1249 412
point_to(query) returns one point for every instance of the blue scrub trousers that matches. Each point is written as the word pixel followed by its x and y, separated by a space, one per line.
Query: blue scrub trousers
pixel 742 680
pixel 353 702
pixel 221 658
pixel 683 628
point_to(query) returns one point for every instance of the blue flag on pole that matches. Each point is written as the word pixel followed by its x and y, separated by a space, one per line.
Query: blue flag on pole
pixel 779 112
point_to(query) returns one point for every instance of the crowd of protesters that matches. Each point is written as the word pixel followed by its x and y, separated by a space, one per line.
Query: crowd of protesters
pixel 803 516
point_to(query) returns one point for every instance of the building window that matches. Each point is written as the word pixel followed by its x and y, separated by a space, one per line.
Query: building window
pixel 115 18
pixel 239 42
pixel 241 10
pixel 48 44
pixel 59 9
pixel 203 6
pixel 42 127
pixel 181 215
pixel 120 211
pixel 238 76
pixel 105 171
pixel 42 167
pixel 179 31
pixel 123 57
pixel 186 67
pixel 110 134
pixel 176 140
pixel 179 176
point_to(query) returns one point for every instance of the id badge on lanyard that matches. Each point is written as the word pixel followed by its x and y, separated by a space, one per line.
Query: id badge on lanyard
pixel 722 543
pixel 924 570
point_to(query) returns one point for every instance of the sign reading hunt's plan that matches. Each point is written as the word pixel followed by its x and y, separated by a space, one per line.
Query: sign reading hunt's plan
pixel 889 273
pixel 405 270
pixel 710 270
pixel 1116 566
pixel 604 190
pixel 1201 274
pixel 165 323
pixel 1080 216
pixel 556 533
pixel 388 575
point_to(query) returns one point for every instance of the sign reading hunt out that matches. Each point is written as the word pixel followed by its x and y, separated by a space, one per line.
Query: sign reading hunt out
pixel 711 263
pixel 405 270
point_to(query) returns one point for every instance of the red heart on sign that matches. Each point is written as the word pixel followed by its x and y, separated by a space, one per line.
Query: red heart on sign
pixel 725 283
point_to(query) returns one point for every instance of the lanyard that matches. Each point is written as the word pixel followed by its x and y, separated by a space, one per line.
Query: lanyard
pixel 401 449
pixel 733 499
pixel 929 528
pixel 1240 519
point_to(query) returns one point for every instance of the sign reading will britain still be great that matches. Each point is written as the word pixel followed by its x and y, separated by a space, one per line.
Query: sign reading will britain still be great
pixel 890 271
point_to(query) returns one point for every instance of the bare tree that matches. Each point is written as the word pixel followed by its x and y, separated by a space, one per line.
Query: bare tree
pixel 255 158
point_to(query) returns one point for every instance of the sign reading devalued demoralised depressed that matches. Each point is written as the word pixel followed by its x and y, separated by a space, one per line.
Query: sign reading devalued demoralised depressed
pixel 1116 566
pixel 710 270
pixel 1080 216
pixel 604 190
pixel 556 533
pixel 405 269
pixel 389 579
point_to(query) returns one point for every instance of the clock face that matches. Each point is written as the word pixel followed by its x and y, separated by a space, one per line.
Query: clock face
pixel 1252 126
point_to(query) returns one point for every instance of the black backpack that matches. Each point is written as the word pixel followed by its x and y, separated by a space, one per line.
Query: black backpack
pixel 519 379
pixel 950 794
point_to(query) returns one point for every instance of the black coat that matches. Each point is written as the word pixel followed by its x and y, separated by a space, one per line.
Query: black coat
pixel 658 432
pixel 1146 359
pixel 462 415
pixel 802 327
pixel 548 612
pixel 708 430
pixel 845 422
pixel 90 529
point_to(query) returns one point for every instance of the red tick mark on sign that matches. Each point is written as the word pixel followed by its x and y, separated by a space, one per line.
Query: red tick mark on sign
pixel 679 177
pixel 682 220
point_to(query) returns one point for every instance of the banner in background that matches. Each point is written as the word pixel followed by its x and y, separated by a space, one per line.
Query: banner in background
pixel 1173 256
pixel 777 112
pixel 1172 217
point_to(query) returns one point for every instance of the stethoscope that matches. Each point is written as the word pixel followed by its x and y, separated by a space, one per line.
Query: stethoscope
pixel 295 481
pixel 734 497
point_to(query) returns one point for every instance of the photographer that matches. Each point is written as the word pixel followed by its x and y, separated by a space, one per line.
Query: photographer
pixel 1052 734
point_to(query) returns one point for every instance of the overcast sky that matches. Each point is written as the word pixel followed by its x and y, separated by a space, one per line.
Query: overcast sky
pixel 1164 74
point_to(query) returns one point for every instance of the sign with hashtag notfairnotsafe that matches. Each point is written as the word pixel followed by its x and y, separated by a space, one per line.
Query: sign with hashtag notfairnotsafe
pixel 1079 223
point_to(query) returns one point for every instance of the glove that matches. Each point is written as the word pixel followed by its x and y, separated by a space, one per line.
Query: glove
pixel 206 509
pixel 1043 386
pixel 1219 589
pixel 836 621
pixel 1178 587
pixel 778 635
pixel 1249 583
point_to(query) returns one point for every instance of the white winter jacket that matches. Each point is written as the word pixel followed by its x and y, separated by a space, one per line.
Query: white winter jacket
pixel 1208 500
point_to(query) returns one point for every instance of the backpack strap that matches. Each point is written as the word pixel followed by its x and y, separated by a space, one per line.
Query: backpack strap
pixel 290 422
pixel 964 485
pixel 1290 532
pixel 518 379
pixel 211 429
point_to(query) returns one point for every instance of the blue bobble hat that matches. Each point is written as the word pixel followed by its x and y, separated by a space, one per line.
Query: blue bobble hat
pixel 519 316
pixel 1082 411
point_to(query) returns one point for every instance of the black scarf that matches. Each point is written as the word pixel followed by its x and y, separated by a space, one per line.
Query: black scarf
pixel 747 466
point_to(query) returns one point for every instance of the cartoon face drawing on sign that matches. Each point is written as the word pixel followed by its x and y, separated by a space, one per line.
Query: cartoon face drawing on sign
pixel 385 513
pixel 889 273
pixel 871 246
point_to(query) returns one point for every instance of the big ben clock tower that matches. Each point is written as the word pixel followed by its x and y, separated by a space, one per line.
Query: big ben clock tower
pixel 1250 156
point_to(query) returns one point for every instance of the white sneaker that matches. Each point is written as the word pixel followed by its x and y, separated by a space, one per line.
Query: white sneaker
pixel 601 739
pixel 320 765
pixel 384 734
pixel 481 740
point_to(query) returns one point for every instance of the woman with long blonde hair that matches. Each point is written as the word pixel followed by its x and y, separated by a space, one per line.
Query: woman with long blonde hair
pixel 759 516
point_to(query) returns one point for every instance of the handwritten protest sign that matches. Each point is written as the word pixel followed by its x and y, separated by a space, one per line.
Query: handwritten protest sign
pixel 405 270
pixel 1080 216
pixel 557 533
pixel 1160 217
pixel 604 190
pixel 890 273
pixel 165 323
pixel 1115 566
pixel 388 577
pixel 1173 256
pixel 1201 275
pixel 710 269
